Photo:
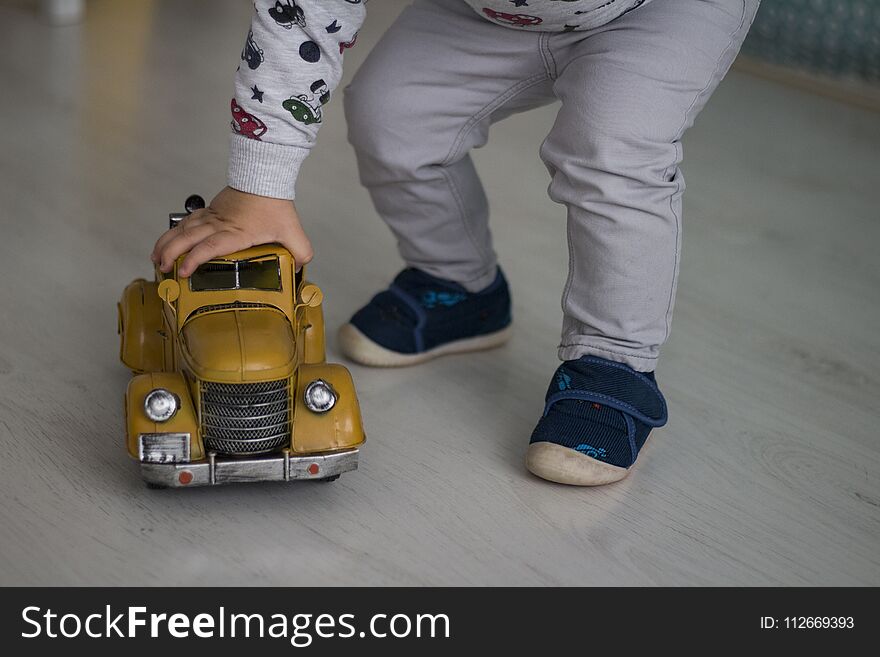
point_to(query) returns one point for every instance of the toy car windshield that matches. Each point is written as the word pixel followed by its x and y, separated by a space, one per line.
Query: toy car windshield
pixel 255 274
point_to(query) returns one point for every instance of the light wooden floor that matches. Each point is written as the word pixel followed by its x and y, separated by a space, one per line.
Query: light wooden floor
pixel 767 473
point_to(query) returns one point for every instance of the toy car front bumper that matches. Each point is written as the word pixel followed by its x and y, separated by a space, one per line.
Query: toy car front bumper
pixel 216 470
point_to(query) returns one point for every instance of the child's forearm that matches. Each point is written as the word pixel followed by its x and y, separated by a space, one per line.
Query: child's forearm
pixel 290 65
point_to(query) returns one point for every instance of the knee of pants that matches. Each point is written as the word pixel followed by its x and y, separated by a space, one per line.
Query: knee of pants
pixel 383 129
pixel 610 162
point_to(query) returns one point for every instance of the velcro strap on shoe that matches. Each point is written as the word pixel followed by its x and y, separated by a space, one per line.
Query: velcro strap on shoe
pixel 610 384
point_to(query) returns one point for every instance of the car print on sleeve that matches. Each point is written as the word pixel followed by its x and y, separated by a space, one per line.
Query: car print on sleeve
pixel 306 108
pixel 252 53
pixel 344 45
pixel 519 20
pixel 246 125
pixel 287 14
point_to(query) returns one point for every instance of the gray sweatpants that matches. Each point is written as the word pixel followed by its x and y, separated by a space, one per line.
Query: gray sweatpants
pixel 442 75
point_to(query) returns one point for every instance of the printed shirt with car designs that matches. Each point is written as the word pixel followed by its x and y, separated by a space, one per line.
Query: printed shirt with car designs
pixel 291 63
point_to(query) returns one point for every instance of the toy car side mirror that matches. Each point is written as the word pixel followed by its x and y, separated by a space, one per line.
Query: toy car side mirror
pixel 311 296
pixel 169 290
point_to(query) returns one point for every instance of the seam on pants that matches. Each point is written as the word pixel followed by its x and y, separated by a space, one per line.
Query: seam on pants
pixel 459 202
pixel 679 133
pixel 485 111
pixel 566 290
pixel 547 56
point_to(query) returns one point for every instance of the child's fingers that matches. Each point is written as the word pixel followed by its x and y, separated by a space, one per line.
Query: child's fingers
pixel 213 246
pixel 164 238
pixel 181 242
pixel 197 218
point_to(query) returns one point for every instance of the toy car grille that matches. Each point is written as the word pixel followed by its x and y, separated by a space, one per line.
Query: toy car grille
pixel 235 305
pixel 245 418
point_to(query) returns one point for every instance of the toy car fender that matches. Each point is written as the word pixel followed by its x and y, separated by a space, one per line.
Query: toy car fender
pixel 140 327
pixel 338 428
pixel 313 349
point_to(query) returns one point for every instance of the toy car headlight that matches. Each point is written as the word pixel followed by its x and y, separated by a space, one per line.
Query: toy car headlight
pixel 320 396
pixel 160 405
pixel 164 447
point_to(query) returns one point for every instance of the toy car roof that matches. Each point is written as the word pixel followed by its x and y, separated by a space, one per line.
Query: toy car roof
pixel 252 252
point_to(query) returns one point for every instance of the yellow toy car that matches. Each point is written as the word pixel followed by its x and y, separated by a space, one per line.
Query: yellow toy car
pixel 231 382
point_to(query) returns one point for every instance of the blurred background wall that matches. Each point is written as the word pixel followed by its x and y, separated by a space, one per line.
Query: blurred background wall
pixel 830 37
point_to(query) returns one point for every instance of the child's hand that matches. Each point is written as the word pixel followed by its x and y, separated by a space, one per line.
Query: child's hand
pixel 233 221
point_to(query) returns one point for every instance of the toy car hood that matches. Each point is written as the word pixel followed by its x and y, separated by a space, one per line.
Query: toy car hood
pixel 240 345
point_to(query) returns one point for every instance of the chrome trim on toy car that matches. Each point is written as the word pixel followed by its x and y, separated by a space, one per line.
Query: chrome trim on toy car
pixel 164 448
pixel 216 470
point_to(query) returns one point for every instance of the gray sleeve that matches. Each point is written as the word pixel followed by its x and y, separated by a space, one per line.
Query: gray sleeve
pixel 290 65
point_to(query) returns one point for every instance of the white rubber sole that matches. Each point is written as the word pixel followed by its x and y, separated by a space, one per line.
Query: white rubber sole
pixel 359 348
pixel 566 466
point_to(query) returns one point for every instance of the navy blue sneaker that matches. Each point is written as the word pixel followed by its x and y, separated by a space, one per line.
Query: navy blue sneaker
pixel 597 416
pixel 420 317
